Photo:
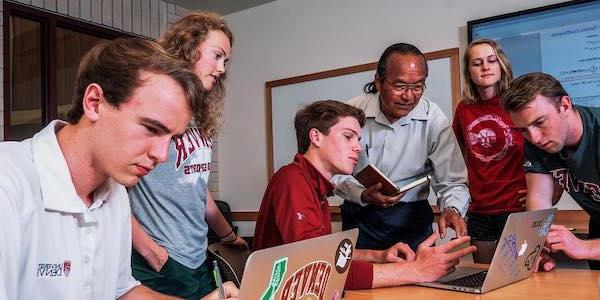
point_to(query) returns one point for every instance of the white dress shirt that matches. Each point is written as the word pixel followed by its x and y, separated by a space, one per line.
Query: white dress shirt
pixel 415 145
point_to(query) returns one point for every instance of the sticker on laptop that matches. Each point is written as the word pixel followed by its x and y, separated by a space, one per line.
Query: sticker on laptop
pixel 546 226
pixel 532 258
pixel 309 282
pixel 510 243
pixel 277 274
pixel 510 252
pixel 343 255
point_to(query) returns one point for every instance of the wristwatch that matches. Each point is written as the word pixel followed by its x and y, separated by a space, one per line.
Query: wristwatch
pixel 455 210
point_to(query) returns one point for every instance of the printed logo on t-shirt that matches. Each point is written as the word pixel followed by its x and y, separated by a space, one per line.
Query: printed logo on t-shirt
pixel 187 144
pixel 489 138
pixel 565 180
pixel 300 216
pixel 196 168
pixel 53 270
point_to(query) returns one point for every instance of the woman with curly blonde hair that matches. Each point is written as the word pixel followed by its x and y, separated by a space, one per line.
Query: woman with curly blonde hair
pixel 171 206
pixel 190 40
pixel 493 152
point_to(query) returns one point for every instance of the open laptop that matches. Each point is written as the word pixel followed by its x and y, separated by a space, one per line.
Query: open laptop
pixel 521 242
pixel 310 269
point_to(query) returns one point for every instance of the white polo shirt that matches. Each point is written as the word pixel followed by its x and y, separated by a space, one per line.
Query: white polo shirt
pixel 51 245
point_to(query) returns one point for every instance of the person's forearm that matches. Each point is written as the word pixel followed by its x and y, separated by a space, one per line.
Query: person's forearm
pixel 540 191
pixel 143 292
pixel 215 219
pixel 459 198
pixel 367 255
pixel 141 241
pixel 450 171
pixel 533 203
pixel 451 187
pixel 558 191
pixel 394 274
pixel 593 249
pixel 348 188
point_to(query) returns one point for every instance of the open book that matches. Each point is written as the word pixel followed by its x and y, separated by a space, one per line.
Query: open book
pixel 370 175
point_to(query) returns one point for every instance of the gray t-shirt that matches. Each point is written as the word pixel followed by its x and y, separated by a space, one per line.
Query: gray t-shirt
pixel 170 201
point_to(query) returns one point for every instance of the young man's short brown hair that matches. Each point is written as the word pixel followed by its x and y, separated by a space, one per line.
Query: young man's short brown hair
pixel 322 115
pixel 525 88
pixel 116 66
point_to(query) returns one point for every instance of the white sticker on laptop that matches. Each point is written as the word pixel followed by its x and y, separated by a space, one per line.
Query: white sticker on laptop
pixel 343 255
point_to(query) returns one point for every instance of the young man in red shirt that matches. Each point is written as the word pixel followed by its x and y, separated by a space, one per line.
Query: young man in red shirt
pixel 295 204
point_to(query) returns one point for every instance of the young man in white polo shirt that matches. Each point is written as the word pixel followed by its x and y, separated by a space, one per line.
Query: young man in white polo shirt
pixel 66 229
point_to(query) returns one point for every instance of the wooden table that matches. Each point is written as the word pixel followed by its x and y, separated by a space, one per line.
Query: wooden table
pixel 560 284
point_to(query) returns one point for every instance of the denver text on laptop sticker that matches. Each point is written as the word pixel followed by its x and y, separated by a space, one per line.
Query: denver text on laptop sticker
pixel 307 283
pixel 310 281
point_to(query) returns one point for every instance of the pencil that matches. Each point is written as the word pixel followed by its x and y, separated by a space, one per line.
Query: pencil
pixel 218 279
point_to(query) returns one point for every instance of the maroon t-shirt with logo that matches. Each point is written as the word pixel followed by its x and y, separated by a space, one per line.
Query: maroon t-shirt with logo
pixel 494 156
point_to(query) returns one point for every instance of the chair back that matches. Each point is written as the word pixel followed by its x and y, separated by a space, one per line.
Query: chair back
pixel 231 261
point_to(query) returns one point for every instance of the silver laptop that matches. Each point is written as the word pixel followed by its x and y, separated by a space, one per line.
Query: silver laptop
pixel 521 242
pixel 310 269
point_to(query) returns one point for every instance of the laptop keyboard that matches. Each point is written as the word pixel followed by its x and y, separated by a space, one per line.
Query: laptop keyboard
pixel 472 281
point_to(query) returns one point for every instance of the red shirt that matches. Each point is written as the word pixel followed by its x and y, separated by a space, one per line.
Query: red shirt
pixel 295 208
pixel 494 156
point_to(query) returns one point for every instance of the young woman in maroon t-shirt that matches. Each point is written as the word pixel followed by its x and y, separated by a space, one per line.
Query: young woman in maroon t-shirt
pixel 492 151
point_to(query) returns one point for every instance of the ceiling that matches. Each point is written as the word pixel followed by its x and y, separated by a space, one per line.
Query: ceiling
pixel 222 7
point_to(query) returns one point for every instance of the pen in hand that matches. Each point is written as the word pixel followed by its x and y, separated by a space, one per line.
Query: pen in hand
pixel 218 279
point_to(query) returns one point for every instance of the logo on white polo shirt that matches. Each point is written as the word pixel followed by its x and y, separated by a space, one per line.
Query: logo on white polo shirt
pixel 54 270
